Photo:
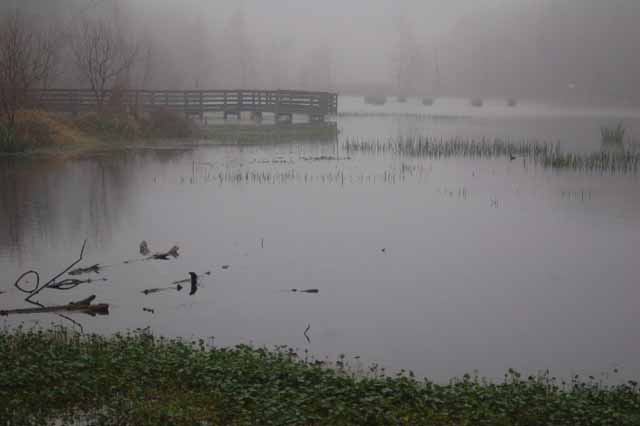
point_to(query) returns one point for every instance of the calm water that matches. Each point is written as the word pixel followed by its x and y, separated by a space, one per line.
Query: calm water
pixel 488 264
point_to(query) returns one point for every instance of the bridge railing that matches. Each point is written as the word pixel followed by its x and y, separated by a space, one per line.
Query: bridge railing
pixel 190 101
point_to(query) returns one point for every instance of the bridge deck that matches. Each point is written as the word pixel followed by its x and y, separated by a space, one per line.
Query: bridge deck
pixel 192 101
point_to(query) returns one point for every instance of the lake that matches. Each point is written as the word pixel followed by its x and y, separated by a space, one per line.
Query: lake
pixel 440 265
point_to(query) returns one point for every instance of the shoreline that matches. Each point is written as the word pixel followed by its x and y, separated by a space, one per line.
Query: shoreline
pixel 219 134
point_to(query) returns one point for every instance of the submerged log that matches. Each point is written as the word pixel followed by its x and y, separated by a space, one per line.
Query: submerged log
pixel 84 306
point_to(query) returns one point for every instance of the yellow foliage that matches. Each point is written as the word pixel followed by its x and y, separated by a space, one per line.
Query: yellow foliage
pixel 42 129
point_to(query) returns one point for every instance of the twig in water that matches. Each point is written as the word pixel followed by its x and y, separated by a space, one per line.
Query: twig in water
pixel 70 283
pixel 188 280
pixel 37 288
pixel 311 291
pixel 177 287
pixel 194 283
pixel 306 336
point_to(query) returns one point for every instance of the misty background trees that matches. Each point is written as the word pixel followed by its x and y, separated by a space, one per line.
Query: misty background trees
pixel 28 54
pixel 582 51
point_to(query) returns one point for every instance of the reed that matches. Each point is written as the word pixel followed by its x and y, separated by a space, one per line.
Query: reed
pixel 613 135
pixel 545 154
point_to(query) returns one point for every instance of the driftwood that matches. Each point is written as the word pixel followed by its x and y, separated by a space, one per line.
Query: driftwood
pixel 84 306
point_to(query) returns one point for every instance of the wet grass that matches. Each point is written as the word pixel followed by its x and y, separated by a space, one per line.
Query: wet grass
pixel 547 155
pixel 140 379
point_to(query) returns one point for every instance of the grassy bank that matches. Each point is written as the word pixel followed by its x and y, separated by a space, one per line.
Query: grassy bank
pixel 138 379
pixel 38 132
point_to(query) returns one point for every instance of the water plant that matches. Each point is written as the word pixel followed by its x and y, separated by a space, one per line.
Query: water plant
pixel 613 135
pixel 57 376
pixel 545 154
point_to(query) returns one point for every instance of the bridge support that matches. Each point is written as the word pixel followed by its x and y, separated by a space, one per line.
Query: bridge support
pixel 284 118
pixel 236 114
pixel 315 118
pixel 256 116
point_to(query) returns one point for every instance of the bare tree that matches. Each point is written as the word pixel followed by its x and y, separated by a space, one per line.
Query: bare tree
pixel 27 59
pixel 102 56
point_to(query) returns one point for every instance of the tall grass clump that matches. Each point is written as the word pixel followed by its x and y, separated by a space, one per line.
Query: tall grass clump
pixel 613 135
pixel 164 123
pixel 61 377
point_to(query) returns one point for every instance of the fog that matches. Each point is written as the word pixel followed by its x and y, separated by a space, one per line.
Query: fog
pixel 573 51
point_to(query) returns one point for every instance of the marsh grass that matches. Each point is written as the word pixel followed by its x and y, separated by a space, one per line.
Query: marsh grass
pixel 547 155
pixel 60 377
pixel 613 135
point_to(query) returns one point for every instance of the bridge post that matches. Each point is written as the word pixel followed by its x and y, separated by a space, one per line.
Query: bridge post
pixel 186 104
pixel 285 118
pixel 201 108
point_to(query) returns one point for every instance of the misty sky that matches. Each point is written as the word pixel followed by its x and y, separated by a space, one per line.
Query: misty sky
pixel 521 48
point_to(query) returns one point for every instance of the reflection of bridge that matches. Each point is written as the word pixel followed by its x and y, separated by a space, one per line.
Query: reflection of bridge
pixel 282 103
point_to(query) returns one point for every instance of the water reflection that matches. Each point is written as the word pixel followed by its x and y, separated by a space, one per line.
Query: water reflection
pixel 441 264
pixel 49 202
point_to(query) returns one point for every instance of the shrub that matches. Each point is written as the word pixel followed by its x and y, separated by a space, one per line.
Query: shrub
pixel 168 124
pixel 10 143
pixel 109 125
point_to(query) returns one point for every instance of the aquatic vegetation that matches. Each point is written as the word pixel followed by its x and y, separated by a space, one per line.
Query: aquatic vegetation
pixel 56 375
pixel 543 154
pixel 476 102
pixel 612 135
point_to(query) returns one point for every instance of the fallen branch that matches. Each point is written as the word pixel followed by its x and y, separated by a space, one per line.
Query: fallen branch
pixel 84 306
pixel 38 288
pixel 90 269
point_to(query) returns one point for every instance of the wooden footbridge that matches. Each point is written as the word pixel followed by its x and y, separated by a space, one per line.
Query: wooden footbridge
pixel 282 103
